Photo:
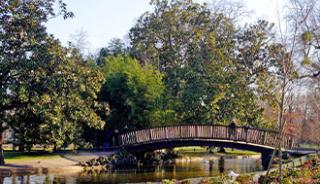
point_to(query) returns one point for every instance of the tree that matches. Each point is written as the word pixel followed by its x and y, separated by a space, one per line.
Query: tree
pixel 303 17
pixel 195 50
pixel 45 88
pixel 80 42
pixel 115 47
pixel 132 92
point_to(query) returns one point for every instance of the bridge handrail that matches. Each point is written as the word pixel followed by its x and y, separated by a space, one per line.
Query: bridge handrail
pixel 264 129
pixel 240 133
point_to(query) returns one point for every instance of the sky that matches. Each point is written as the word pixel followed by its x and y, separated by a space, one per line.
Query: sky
pixel 102 20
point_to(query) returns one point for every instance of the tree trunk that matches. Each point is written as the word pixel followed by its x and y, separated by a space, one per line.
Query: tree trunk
pixel 1 150
pixel 280 162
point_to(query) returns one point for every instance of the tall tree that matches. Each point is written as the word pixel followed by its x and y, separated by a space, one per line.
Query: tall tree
pixel 194 48
pixel 44 86
pixel 115 47
pixel 303 18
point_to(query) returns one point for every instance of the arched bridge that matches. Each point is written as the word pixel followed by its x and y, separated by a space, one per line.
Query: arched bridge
pixel 259 140
pixel 264 138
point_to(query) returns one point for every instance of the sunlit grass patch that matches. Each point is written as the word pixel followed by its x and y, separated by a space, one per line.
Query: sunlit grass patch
pixel 23 156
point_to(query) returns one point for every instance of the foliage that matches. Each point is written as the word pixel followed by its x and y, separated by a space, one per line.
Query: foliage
pixel 194 49
pixel 303 21
pixel 166 181
pixel 132 92
pixel 115 47
pixel 47 91
pixel 307 173
pixel 243 179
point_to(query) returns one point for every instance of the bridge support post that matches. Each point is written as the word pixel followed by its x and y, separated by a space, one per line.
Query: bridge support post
pixel 265 159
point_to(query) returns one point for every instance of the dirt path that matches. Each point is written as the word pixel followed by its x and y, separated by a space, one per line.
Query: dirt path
pixel 57 165
pixel 44 163
pixel 65 164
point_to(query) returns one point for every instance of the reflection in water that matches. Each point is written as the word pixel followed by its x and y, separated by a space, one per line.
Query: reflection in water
pixel 187 166
pixel 221 165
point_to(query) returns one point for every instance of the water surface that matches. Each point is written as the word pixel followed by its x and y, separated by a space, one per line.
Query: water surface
pixel 190 165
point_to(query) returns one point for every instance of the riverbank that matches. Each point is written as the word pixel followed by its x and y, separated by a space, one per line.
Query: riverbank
pixel 39 164
pixel 46 162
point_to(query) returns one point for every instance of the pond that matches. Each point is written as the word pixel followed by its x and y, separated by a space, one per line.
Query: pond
pixel 189 165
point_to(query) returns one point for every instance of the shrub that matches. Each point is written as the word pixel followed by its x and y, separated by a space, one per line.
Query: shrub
pixel 287 181
pixel 166 181
pixel 243 179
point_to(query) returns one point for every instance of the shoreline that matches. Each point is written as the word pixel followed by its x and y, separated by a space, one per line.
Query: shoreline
pixel 9 170
pixel 37 166
pixel 65 164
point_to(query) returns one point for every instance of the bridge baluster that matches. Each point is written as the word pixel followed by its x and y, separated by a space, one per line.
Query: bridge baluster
pixel 250 135
pixel 217 132
pixel 197 134
pixel 193 132
pixel 182 132
pixel 166 132
pixel 131 138
pixel 122 140
pixel 137 135
pixel 239 133
pixel 264 137
pixel 258 139
pixel 128 138
pixel 151 135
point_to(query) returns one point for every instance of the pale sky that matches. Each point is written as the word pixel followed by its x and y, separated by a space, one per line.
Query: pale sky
pixel 103 20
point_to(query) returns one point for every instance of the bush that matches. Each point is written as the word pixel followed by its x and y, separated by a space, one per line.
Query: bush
pixel 218 180
pixel 166 181
pixel 243 179
pixel 287 181
pixel 293 173
pixel 316 175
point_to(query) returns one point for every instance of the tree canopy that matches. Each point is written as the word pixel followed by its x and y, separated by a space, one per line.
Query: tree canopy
pixel 132 92
pixel 47 92
pixel 195 50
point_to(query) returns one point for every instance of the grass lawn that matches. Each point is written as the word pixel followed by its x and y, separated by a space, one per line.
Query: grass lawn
pixel 309 146
pixel 240 152
pixel 23 156
pixel 191 149
pixel 197 149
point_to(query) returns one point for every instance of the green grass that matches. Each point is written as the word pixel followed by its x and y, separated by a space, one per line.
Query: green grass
pixel 197 149
pixel 22 156
pixel 191 149
pixel 308 146
pixel 240 152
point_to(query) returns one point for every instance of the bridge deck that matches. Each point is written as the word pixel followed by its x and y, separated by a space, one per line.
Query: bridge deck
pixel 248 135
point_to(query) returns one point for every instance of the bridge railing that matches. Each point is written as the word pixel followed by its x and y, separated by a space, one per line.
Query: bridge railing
pixel 243 134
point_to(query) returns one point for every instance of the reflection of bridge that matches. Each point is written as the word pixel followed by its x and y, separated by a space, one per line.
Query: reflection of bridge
pixel 259 140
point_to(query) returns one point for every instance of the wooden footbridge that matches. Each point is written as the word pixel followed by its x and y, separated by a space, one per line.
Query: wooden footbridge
pixel 247 138
pixel 244 135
